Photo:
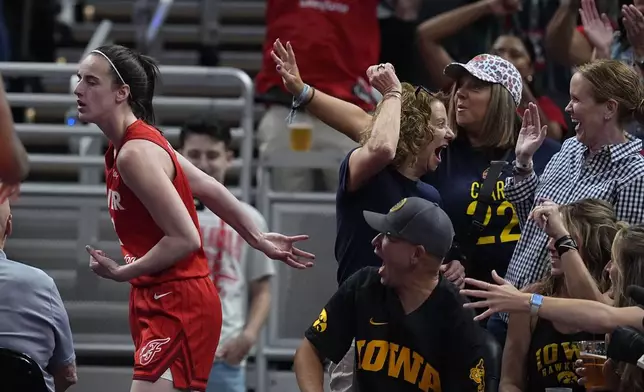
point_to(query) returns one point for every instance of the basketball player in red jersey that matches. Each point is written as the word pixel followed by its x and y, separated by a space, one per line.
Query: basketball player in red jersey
pixel 175 314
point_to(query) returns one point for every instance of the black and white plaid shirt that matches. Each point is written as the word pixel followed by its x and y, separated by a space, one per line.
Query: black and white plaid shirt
pixel 614 174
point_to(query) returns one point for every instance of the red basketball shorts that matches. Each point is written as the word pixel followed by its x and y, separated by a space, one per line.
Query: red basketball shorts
pixel 175 325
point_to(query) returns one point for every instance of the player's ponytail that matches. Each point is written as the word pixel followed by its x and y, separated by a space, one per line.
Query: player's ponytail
pixel 144 103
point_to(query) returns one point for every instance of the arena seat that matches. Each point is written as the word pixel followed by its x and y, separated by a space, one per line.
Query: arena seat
pixel 18 373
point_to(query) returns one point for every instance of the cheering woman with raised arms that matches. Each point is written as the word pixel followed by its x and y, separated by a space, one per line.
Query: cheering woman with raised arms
pixel 175 314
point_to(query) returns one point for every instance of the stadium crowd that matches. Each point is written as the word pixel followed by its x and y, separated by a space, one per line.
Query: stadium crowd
pixel 489 208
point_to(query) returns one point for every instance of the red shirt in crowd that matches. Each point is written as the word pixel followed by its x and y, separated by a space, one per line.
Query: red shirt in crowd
pixel 335 41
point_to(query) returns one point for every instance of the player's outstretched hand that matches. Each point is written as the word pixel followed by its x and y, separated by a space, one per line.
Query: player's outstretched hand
pixel 280 247
pixel 103 266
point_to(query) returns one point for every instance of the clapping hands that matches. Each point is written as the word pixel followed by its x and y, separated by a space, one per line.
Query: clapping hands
pixel 598 29
pixel 634 24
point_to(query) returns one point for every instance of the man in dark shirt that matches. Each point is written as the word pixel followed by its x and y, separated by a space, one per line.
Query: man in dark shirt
pixel 410 328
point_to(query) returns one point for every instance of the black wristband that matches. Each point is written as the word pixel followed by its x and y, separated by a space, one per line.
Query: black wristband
pixel 564 244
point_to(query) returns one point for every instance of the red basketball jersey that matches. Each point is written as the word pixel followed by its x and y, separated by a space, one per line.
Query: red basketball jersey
pixel 136 230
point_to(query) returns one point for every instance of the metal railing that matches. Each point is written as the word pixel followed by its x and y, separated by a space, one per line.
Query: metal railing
pixel 275 347
pixel 242 106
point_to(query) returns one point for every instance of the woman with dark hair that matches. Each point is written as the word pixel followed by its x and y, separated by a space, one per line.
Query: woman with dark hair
pixel 519 50
pixel 511 46
pixel 175 314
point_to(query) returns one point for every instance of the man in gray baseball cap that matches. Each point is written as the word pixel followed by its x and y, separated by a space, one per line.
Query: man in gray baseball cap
pixel 405 309
pixel 416 235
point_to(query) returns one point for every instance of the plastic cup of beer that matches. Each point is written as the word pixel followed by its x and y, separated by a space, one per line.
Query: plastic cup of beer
pixel 301 136
pixel 593 353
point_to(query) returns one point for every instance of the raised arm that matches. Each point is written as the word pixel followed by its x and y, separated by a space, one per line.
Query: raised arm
pixel 380 148
pixel 563 42
pixel 520 189
pixel 342 116
pixel 598 29
pixel 432 31
pixel 579 282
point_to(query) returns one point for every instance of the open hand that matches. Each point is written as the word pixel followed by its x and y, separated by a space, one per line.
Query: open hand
pixel 286 66
pixel 280 247
pixel 634 25
pixel 500 297
pixel 598 29
pixel 103 266
pixel 531 135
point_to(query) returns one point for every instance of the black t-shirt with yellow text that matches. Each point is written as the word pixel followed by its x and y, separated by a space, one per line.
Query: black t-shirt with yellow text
pixel 437 347
pixel 551 357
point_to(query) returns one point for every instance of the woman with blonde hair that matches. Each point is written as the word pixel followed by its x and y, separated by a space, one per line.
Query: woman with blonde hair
pixel 539 354
pixel 602 161
pixel 399 143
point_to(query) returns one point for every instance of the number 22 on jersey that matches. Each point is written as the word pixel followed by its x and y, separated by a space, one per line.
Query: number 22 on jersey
pixel 506 234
